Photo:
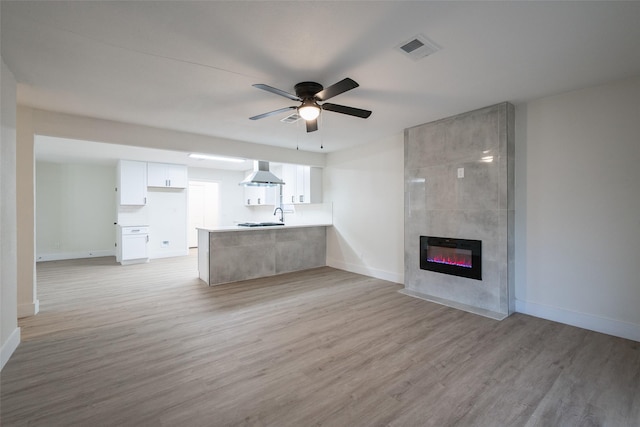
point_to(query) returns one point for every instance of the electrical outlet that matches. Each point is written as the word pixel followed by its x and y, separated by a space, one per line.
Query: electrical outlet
pixel 460 172
pixel 165 244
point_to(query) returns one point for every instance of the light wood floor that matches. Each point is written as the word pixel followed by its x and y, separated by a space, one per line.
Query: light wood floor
pixel 150 345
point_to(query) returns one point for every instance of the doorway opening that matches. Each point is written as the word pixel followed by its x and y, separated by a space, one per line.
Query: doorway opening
pixel 204 208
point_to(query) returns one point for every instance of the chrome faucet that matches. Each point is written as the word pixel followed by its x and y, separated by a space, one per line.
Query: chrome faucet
pixel 281 213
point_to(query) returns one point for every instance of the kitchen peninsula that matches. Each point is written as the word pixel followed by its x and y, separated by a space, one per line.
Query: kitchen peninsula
pixel 234 253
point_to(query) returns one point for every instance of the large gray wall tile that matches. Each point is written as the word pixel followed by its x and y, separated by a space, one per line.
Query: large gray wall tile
pixel 438 203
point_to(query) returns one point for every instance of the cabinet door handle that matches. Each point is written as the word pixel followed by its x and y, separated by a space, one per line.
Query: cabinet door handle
pixel 293 199
pixel 145 201
pixel 135 231
pixel 147 238
pixel 258 200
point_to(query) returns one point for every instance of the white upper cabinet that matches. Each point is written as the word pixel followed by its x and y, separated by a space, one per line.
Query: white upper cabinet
pixel 132 183
pixel 259 196
pixel 167 175
pixel 255 196
pixel 303 184
pixel 303 178
pixel 289 187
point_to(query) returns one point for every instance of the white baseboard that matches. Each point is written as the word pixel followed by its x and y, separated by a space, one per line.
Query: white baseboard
pixel 604 325
pixel 171 254
pixel 58 256
pixel 101 253
pixel 29 309
pixel 134 261
pixel 367 271
pixel 9 346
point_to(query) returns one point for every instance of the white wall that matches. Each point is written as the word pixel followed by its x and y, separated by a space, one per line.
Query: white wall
pixel 366 186
pixel 9 331
pixel 28 303
pixel 578 208
pixel 75 210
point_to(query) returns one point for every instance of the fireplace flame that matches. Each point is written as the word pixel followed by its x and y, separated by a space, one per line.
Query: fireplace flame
pixel 462 261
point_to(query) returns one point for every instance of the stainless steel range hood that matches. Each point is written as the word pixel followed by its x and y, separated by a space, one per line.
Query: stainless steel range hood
pixel 261 176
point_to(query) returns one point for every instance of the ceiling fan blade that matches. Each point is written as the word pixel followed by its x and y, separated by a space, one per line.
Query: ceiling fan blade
pixel 357 112
pixel 336 89
pixel 272 113
pixel 312 125
pixel 277 91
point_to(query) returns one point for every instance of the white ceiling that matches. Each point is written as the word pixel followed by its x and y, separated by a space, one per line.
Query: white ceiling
pixel 189 66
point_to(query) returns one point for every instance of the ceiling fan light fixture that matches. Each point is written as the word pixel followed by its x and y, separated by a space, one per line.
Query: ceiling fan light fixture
pixel 309 110
pixel 309 94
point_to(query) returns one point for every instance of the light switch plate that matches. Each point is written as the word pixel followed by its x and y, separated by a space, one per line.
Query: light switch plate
pixel 460 172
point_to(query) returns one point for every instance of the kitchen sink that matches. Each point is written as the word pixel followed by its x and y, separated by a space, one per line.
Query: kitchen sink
pixel 259 224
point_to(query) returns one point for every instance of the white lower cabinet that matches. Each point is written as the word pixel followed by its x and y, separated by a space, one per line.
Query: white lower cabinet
pixel 132 245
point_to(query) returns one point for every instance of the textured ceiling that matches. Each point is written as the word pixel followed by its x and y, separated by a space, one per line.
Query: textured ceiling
pixel 189 66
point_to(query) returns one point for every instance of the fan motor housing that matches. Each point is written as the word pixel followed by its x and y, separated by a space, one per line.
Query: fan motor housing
pixel 306 90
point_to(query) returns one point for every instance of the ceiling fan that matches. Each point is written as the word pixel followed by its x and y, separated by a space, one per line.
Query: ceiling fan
pixel 309 94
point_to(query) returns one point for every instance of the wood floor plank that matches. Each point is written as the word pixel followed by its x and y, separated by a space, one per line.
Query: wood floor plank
pixel 150 345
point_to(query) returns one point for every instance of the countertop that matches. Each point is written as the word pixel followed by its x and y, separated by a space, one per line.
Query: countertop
pixel 228 228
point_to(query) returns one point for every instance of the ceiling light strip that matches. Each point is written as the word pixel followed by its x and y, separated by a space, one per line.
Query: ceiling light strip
pixel 218 158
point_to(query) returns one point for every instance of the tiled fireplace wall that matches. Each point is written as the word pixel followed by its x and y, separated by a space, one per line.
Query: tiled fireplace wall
pixel 478 206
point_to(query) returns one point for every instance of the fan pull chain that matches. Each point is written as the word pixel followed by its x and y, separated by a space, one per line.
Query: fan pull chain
pixel 297 134
pixel 321 120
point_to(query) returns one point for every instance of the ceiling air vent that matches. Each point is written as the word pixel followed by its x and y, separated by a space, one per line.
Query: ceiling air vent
pixel 292 118
pixel 418 47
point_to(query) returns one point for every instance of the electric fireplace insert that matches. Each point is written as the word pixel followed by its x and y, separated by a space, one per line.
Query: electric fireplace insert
pixel 459 257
